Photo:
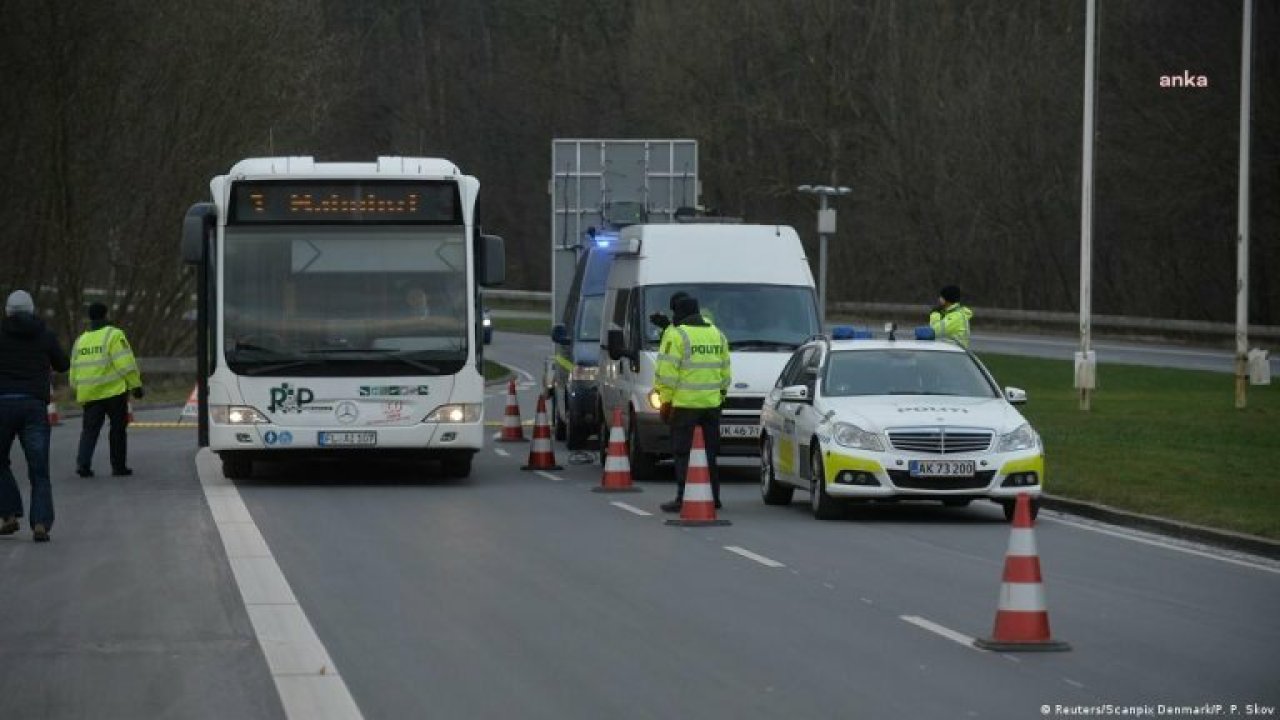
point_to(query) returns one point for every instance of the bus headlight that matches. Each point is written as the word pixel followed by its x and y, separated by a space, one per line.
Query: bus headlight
pixel 455 413
pixel 237 415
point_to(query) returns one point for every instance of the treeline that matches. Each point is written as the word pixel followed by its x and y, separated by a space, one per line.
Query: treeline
pixel 958 126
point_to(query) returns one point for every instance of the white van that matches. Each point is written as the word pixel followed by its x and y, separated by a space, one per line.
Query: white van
pixel 752 281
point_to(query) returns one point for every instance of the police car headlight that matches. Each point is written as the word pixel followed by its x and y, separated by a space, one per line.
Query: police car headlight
pixel 455 413
pixel 655 400
pixel 585 373
pixel 852 436
pixel 237 415
pixel 1024 438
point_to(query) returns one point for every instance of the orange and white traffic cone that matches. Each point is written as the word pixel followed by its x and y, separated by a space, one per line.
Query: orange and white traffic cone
pixel 698 506
pixel 1022 620
pixel 541 456
pixel 51 410
pixel 512 430
pixel 617 467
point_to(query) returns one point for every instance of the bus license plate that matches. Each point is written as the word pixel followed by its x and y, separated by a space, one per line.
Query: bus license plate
pixel 364 438
pixel 739 431
pixel 942 468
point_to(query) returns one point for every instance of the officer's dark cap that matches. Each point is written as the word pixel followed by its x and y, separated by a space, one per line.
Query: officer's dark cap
pixel 950 293
pixel 675 300
pixel 684 307
pixel 97 311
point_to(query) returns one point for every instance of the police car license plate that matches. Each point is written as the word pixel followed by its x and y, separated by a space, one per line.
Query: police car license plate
pixel 942 468
pixel 363 438
pixel 739 431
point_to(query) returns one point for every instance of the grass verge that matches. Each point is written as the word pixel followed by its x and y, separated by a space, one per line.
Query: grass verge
pixel 529 326
pixel 1163 442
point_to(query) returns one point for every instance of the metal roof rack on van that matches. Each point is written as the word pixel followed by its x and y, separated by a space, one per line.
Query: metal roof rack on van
pixel 707 220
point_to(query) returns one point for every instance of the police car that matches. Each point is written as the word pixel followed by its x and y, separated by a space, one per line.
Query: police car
pixel 855 418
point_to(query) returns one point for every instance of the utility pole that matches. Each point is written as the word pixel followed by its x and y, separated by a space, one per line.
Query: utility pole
pixel 1242 210
pixel 1086 364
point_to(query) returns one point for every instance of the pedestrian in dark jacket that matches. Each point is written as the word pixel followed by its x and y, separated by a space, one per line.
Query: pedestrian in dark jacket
pixel 29 354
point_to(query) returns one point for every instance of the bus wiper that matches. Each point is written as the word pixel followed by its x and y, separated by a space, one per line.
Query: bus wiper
pixel 264 369
pixel 429 369
pixel 259 348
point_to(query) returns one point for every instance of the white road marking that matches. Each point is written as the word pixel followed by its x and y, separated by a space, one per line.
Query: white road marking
pixel 631 509
pixel 1073 683
pixel 1135 537
pixel 305 677
pixel 500 451
pixel 945 632
pixel 767 562
pixel 829 586
pixel 549 476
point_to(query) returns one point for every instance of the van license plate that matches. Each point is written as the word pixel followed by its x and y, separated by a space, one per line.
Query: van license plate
pixel 364 438
pixel 942 468
pixel 739 431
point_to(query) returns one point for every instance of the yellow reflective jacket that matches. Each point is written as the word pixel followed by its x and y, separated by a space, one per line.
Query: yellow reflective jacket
pixel 952 323
pixel 102 365
pixel 693 366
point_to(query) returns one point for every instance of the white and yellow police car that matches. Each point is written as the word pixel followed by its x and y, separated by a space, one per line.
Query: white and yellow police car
pixel 854 418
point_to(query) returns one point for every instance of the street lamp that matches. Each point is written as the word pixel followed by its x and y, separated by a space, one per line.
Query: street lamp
pixel 826 226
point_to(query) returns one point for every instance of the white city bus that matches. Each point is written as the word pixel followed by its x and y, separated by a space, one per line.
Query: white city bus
pixel 338 310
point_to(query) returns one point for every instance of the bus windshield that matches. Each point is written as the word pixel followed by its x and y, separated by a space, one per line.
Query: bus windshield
pixel 760 318
pixel 345 301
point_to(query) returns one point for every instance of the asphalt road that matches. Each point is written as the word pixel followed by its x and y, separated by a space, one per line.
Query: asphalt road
pixel 525 595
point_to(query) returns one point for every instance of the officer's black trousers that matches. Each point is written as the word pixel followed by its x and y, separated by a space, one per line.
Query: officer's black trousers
pixel 683 422
pixel 95 413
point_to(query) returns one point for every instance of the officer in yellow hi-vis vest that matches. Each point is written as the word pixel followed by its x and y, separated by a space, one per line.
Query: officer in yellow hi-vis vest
pixel 104 373
pixel 950 319
pixel 691 378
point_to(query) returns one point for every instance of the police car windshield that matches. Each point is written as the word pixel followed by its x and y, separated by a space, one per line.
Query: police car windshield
pixel 759 318
pixel 904 372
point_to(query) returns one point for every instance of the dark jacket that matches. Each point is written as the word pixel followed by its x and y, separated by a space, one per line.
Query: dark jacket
pixel 28 353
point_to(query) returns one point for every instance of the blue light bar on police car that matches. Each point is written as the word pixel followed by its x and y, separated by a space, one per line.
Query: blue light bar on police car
pixel 845 332
pixel 924 332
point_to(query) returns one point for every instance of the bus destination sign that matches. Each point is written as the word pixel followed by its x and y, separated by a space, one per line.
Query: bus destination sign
pixel 398 202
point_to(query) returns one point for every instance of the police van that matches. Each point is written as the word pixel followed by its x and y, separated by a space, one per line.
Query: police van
pixel 752 281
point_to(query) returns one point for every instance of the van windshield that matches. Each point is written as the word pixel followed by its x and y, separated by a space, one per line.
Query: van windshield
pixel 760 318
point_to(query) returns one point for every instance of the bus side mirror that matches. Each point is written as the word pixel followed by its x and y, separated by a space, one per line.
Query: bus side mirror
pixel 196 227
pixel 491 261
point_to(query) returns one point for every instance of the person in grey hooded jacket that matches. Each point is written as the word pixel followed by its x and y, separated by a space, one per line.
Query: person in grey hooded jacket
pixel 29 354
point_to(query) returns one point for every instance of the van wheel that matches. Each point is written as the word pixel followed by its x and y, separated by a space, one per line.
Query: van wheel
pixel 773 492
pixel 577 435
pixel 236 466
pixel 824 506
pixel 643 466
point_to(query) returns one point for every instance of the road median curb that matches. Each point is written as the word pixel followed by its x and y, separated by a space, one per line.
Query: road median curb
pixel 1228 539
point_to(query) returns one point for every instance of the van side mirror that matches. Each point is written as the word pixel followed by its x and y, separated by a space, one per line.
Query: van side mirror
pixel 795 393
pixel 559 335
pixel 1015 396
pixel 616 345
pixel 196 228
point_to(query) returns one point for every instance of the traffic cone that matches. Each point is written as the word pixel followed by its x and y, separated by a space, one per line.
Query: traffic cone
pixel 55 418
pixel 541 457
pixel 1022 620
pixel 512 430
pixel 192 406
pixel 698 506
pixel 617 467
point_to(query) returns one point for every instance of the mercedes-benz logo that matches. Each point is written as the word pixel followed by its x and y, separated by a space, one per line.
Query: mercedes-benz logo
pixel 347 412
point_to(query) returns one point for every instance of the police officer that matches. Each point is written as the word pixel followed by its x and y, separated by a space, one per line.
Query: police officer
pixel 104 373
pixel 28 353
pixel 950 319
pixel 691 378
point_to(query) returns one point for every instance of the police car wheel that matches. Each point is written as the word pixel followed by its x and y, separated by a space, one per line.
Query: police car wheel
pixel 1009 506
pixel 824 506
pixel 773 492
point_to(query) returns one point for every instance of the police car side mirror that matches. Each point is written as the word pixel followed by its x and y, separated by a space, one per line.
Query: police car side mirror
pixel 1015 396
pixel 795 393
pixel 616 346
